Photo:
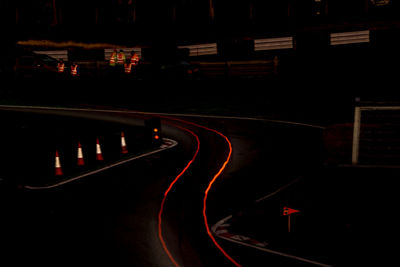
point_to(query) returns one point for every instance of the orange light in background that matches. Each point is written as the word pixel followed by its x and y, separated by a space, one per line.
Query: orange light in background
pixel 156 137
pixel 155 130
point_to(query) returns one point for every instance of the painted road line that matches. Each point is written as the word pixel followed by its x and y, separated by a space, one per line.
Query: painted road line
pixel 158 114
pixel 275 252
pixel 231 118
pixel 220 223
pixel 216 176
pixel 200 126
pixel 163 114
pixel 253 243
pixel 279 189
pixel 172 143
pixel 220 229
pixel 224 220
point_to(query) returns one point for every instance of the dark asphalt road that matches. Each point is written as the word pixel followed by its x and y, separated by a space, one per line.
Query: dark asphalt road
pixel 107 219
pixel 30 141
pixel 265 155
pixel 111 218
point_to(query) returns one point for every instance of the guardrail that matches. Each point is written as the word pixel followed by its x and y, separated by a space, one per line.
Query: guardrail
pixel 201 49
pixel 57 54
pixel 236 69
pixel 341 38
pixel 256 68
pixel 273 43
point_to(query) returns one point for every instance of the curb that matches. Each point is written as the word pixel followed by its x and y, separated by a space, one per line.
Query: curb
pixel 221 230
pixel 167 144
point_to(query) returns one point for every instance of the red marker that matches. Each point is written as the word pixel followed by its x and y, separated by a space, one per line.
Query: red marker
pixel 287 212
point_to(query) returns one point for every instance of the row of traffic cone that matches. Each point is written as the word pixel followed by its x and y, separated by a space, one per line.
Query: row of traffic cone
pixel 81 161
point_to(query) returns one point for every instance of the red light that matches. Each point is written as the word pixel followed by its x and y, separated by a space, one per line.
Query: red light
pixel 166 194
pixel 205 195
pixel 288 211
pixel 156 137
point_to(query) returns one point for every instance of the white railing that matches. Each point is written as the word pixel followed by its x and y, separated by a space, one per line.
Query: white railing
pixel 273 43
pixel 356 37
pixel 57 54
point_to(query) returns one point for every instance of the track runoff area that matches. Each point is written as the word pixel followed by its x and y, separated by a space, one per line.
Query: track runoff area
pixel 223 165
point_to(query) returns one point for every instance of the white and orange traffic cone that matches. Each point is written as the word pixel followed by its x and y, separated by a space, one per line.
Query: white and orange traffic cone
pixel 58 171
pixel 124 149
pixel 99 155
pixel 81 161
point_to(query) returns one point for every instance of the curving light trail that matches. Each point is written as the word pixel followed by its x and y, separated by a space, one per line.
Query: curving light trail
pixel 208 190
pixel 205 193
pixel 176 178
pixel 160 236
pixel 205 202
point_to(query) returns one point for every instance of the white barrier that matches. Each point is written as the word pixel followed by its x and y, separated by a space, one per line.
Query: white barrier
pixel 357 127
pixel 273 43
pixel 57 54
pixel 356 37
pixel 201 49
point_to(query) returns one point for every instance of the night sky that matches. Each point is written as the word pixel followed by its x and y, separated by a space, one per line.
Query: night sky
pixel 179 12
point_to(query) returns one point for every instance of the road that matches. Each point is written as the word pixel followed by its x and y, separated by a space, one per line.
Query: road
pixel 250 173
pixel 112 218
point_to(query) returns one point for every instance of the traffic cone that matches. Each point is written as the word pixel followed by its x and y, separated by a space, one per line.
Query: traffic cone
pixel 58 171
pixel 99 155
pixel 124 149
pixel 81 162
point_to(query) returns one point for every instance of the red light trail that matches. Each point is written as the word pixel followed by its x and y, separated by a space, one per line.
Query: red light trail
pixel 208 190
pixel 160 236
pixel 205 201
pixel 205 193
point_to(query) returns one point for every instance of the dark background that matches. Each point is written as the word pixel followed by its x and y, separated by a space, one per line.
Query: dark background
pixel 183 20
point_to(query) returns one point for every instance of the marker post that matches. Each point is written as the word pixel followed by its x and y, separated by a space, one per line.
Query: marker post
pixel 287 212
